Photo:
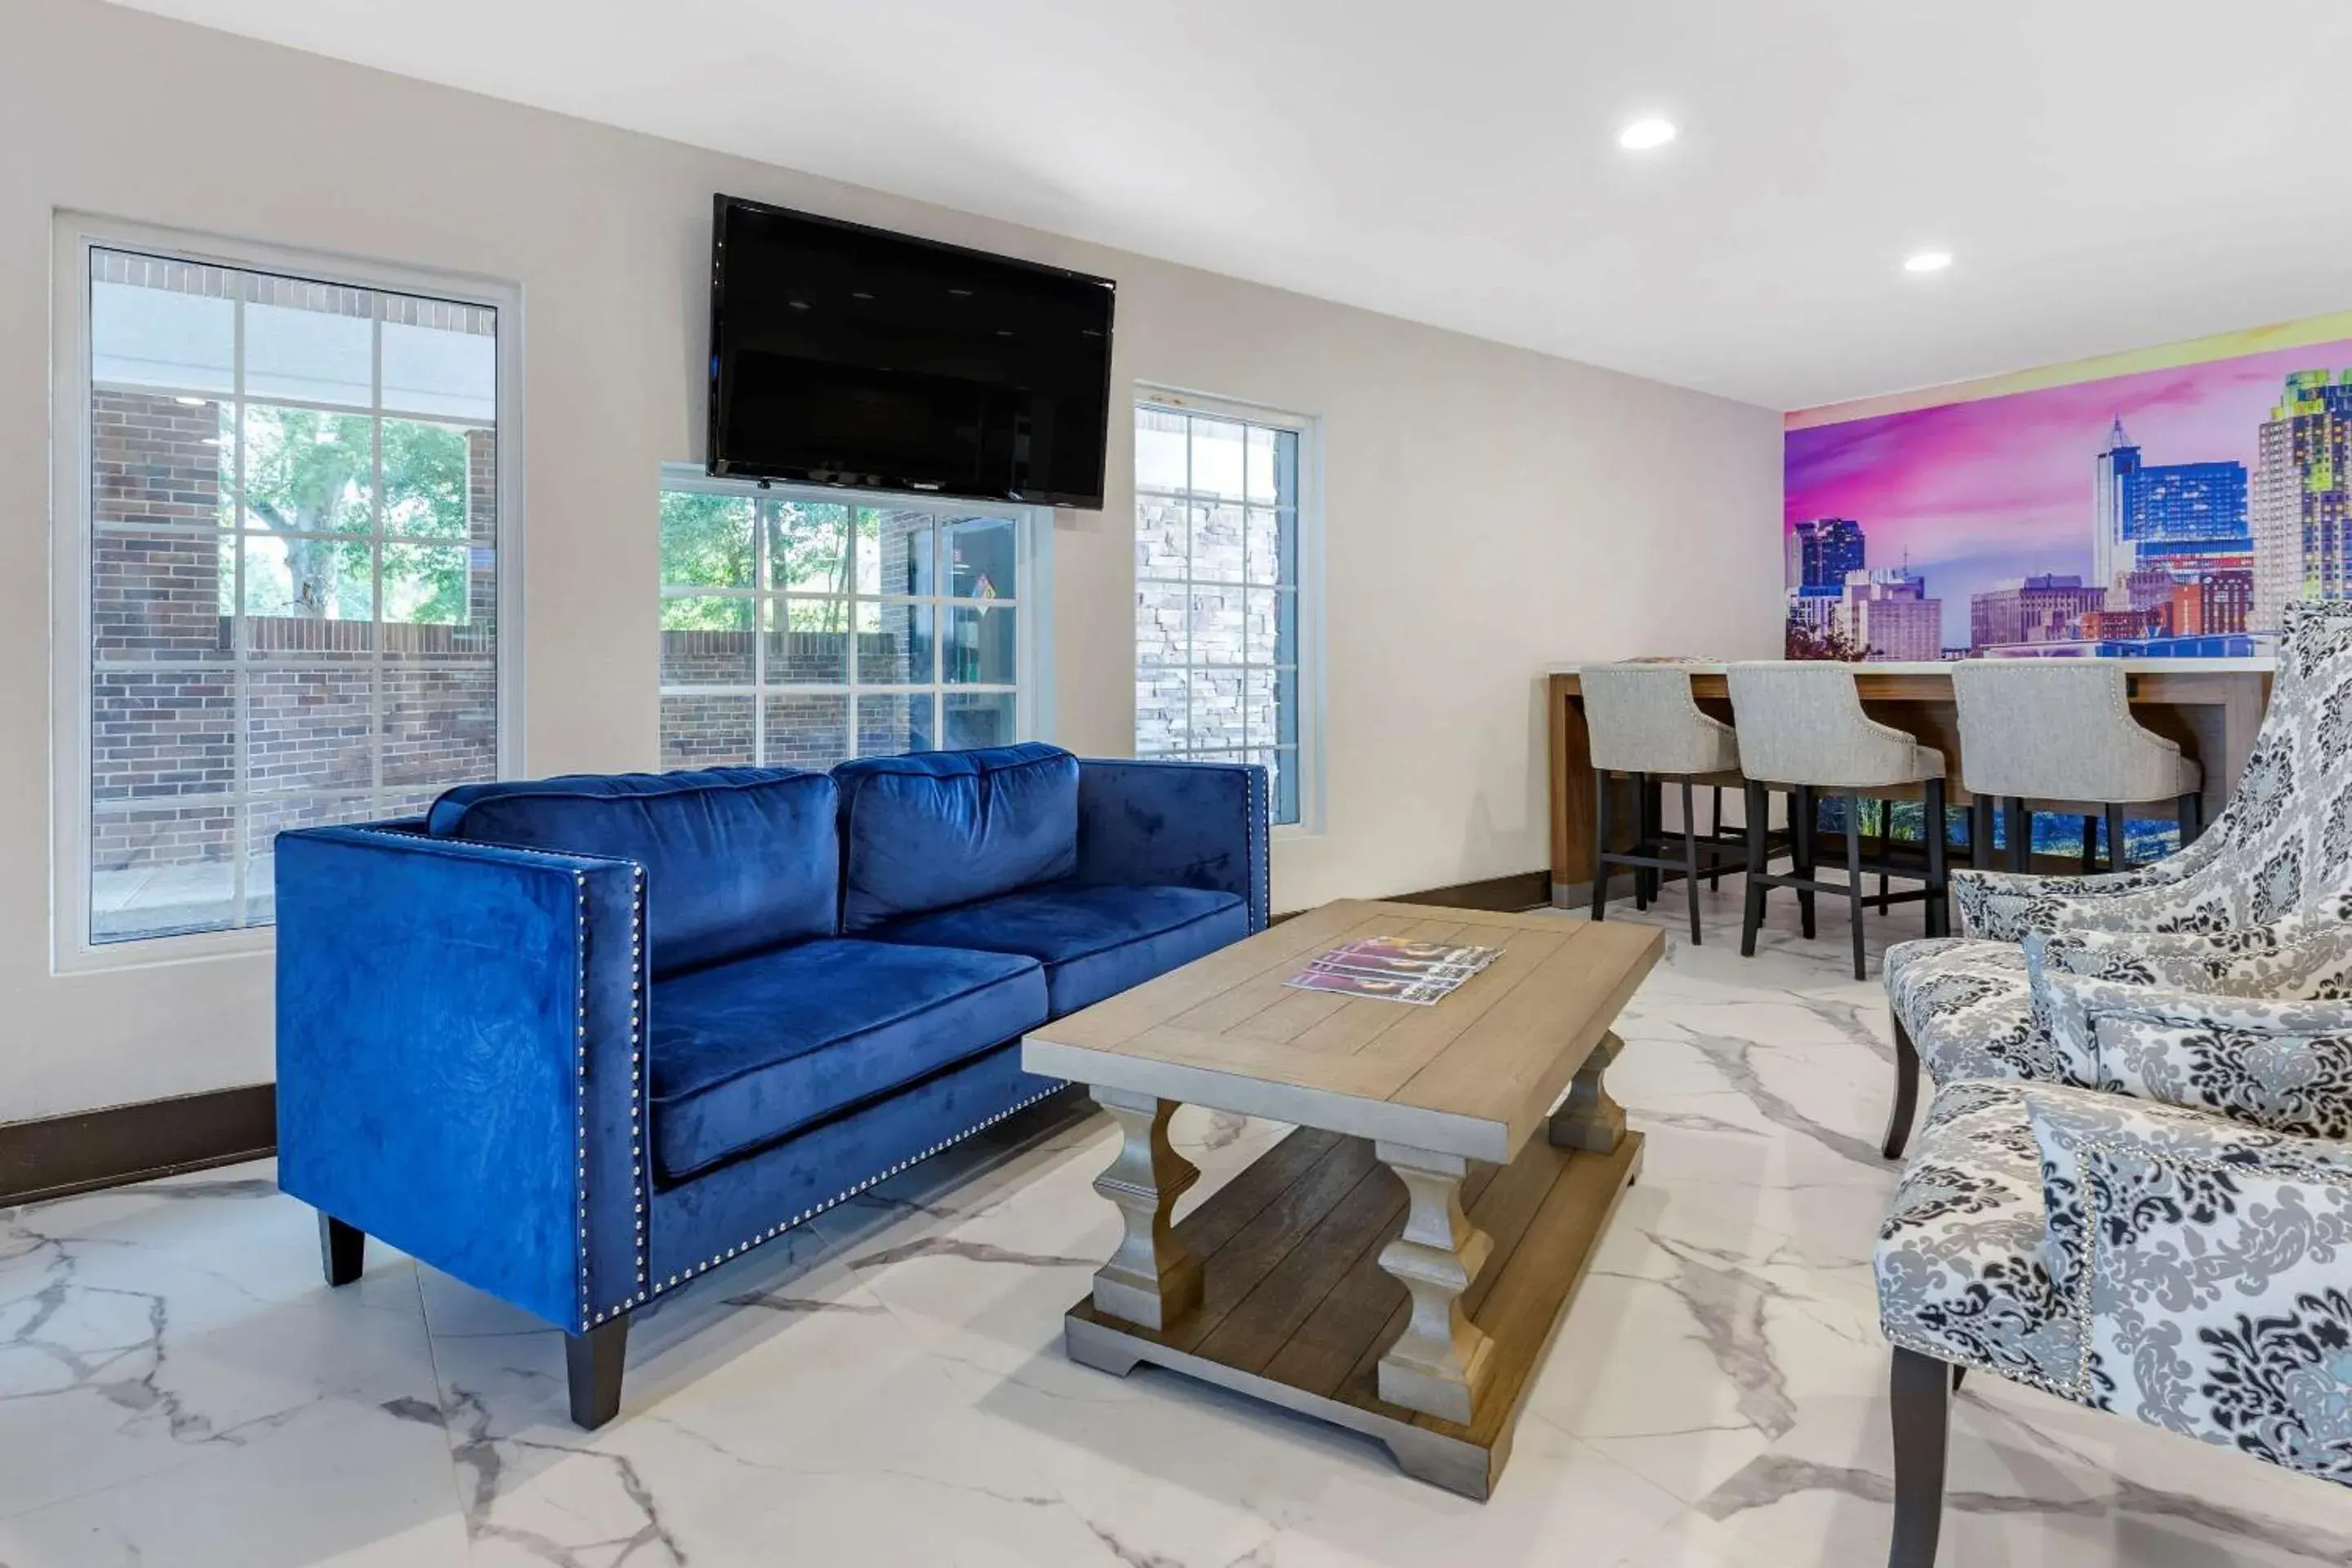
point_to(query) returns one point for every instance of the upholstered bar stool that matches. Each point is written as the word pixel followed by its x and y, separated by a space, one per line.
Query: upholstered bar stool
pixel 1644 722
pixel 2060 733
pixel 1803 729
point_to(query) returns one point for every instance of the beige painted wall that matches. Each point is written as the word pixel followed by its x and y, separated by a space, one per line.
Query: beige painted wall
pixel 1488 511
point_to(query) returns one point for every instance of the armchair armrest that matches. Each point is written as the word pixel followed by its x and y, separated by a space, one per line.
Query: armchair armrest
pixel 1173 823
pixel 2002 906
pixel 460 1058
pixel 2205 1267
pixel 2285 1066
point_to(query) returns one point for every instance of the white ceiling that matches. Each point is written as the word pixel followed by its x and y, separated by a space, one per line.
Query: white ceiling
pixel 2109 175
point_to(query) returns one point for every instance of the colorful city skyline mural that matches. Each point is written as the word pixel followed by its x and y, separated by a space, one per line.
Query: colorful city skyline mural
pixel 2168 502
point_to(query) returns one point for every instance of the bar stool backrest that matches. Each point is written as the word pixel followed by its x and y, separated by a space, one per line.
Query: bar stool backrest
pixel 2057 729
pixel 1800 722
pixel 1644 719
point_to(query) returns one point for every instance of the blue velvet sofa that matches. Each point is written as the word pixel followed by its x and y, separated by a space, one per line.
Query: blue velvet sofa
pixel 576 1040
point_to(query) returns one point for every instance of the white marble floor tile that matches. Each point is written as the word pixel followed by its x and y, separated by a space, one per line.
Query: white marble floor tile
pixel 887 1386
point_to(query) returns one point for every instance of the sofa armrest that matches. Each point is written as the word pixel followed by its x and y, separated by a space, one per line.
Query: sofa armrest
pixel 1171 824
pixel 2205 1267
pixel 2285 1066
pixel 460 1058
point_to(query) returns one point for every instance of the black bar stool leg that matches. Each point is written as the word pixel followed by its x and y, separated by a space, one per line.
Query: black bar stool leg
pixel 1980 833
pixel 1752 911
pixel 1715 836
pixel 1643 843
pixel 1600 844
pixel 1802 823
pixel 1854 881
pixel 2190 812
pixel 2019 830
pixel 2090 845
pixel 1939 881
pixel 2118 852
pixel 1886 845
pixel 1690 858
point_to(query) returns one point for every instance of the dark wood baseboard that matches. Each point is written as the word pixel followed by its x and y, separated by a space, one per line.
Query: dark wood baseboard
pixel 79 1152
pixel 1503 895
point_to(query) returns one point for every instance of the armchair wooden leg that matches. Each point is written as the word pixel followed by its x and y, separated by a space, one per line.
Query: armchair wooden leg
pixel 1981 834
pixel 2190 812
pixel 342 1251
pixel 2118 840
pixel 1920 1390
pixel 591 1365
pixel 1907 1093
pixel 2090 845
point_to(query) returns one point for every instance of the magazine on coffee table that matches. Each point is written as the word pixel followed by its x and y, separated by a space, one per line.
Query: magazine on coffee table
pixel 1392 970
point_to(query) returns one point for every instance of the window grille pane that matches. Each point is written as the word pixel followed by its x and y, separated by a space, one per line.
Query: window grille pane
pixel 808 641
pixel 706 540
pixel 428 481
pixel 888 725
pixel 895 645
pixel 980 647
pixel 906 547
pixel 864 614
pixel 1216 555
pixel 808 547
pixel 980 559
pixel 706 731
pixel 706 642
pixel 980 718
pixel 1217 544
pixel 262 658
pixel 806 732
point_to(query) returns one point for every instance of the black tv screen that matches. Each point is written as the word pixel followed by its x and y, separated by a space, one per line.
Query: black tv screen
pixel 848 355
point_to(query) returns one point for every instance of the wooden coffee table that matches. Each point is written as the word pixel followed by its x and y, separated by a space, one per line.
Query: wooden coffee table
pixel 1399 1263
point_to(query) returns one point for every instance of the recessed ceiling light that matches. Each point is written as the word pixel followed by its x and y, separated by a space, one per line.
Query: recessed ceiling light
pixel 1644 134
pixel 1927 261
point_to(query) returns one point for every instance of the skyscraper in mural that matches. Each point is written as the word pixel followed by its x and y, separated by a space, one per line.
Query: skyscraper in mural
pixel 2184 517
pixel 2301 504
pixel 1823 553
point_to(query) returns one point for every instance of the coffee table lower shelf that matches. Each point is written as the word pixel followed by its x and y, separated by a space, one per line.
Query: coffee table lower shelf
pixel 1295 1311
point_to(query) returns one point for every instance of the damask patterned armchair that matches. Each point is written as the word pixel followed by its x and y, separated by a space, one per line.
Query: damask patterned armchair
pixel 2166 1237
pixel 2275 864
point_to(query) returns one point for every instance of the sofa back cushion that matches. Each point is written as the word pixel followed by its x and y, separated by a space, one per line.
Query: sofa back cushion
pixel 736 860
pixel 936 828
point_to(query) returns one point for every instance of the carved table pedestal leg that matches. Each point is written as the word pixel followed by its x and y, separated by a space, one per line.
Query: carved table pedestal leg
pixel 1440 1363
pixel 1588 1119
pixel 1150 1280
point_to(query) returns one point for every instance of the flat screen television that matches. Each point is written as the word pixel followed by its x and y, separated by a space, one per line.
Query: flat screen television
pixel 848 355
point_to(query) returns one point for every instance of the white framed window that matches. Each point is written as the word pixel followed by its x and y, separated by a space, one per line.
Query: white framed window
pixel 803 625
pixel 286 569
pixel 1227 560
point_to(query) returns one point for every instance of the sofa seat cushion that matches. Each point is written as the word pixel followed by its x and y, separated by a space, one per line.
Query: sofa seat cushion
pixel 934 829
pixel 736 860
pixel 744 1054
pixel 1095 942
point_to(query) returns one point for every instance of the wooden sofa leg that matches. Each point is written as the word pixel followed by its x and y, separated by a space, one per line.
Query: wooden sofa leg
pixel 1907 1093
pixel 592 1363
pixel 1920 1390
pixel 342 1251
